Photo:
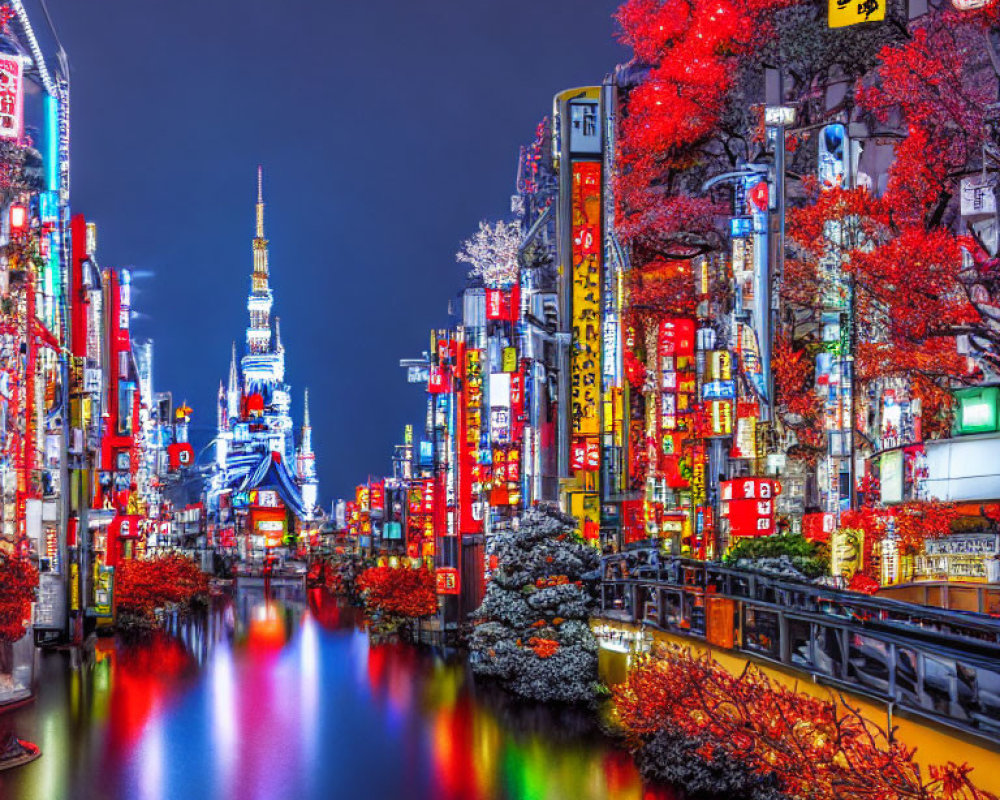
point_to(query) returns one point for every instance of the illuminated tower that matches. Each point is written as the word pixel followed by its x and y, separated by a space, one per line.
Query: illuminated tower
pixel 306 462
pixel 258 469
pixel 261 298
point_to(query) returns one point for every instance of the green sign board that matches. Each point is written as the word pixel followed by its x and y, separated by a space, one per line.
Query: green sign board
pixel 976 410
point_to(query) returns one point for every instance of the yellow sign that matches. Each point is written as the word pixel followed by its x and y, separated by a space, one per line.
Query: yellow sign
pixel 847 548
pixel 510 359
pixel 104 592
pixel 851 12
pixel 586 356
pixel 586 507
pixel 74 587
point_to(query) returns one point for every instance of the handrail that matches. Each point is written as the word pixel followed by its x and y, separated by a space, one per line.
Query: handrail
pixel 969 620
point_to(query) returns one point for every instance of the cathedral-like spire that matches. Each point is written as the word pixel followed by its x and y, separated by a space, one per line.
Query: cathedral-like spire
pixel 307 461
pixel 260 300
pixel 233 375
pixel 260 202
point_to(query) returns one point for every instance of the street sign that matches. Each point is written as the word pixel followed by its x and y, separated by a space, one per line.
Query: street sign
pixel 779 115
pixel 718 390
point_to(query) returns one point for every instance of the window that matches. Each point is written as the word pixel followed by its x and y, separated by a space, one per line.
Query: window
pixel 126 396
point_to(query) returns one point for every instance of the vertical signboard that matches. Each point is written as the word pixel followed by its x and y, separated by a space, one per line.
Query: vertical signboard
pixel 586 233
pixel 470 519
pixel 11 97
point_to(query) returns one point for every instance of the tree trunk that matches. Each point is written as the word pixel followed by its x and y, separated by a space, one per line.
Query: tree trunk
pixel 6 658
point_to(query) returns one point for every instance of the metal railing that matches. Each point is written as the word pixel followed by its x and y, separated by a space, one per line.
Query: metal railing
pixel 938 664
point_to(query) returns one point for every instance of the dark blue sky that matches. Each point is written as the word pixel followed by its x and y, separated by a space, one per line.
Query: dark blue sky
pixel 387 130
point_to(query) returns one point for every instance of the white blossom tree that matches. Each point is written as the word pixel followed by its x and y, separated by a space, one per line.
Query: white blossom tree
pixel 492 252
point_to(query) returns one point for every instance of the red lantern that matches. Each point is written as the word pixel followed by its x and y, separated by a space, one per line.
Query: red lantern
pixel 18 219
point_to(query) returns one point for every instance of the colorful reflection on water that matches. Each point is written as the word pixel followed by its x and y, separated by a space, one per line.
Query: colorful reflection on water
pixel 287 699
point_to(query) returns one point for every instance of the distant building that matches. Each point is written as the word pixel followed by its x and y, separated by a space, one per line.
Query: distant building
pixel 262 489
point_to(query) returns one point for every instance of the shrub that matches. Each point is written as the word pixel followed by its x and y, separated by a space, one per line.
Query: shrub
pixel 399 591
pixel 812 559
pixel 532 632
pixel 18 580
pixel 143 585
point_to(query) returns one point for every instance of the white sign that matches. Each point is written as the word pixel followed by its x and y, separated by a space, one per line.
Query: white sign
pixel 92 380
pixel 779 115
pixel 11 97
pixel 978 198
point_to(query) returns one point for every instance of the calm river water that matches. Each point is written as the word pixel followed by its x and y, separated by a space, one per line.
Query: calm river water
pixel 286 698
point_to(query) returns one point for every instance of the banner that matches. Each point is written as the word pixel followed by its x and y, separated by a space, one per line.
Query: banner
pixel 851 12
pixel 586 320
pixel 180 455
pixel 471 522
pixel 447 580
pixel 11 97
pixel 497 304
pixel 377 496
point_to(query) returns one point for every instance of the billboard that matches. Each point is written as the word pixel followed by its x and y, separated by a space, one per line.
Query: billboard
pixel 472 428
pixel 11 97
pixel 586 358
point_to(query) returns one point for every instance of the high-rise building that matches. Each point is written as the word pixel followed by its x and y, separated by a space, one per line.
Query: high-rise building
pixel 261 484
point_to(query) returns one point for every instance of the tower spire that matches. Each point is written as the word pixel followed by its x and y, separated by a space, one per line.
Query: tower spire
pixel 305 414
pixel 260 202
pixel 260 300
pixel 233 378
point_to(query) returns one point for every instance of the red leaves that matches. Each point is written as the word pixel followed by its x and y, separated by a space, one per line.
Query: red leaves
pixel 661 288
pixel 544 648
pixel 692 51
pixel 912 523
pixel 141 586
pixel 18 580
pixel 932 80
pixel 794 380
pixel 399 591
pixel 816 748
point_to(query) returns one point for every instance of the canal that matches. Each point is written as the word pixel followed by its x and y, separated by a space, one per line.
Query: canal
pixel 287 698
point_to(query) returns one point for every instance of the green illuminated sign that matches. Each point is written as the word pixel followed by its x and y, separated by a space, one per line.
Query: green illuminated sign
pixel 976 410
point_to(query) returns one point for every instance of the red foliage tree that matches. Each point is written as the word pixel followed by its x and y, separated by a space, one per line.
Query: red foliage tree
pixel 794 378
pixel 18 581
pixel 821 749
pixel 913 292
pixel 143 585
pixel 399 592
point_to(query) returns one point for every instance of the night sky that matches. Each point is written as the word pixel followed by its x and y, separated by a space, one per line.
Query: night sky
pixel 387 130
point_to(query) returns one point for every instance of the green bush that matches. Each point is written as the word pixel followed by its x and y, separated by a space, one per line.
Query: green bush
pixel 812 559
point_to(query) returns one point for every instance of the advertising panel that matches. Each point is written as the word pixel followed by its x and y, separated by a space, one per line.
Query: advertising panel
pixel 180 455
pixel 270 524
pixel 586 351
pixel 748 504
pixel 104 593
pixel 447 580
pixel 377 496
pixel 471 522
pixel 847 549
pixel 517 404
pixel 11 97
